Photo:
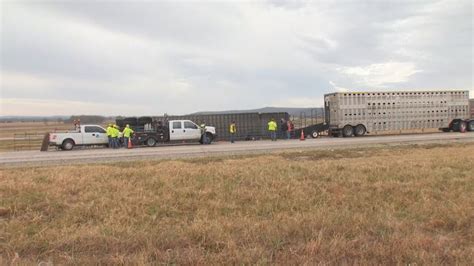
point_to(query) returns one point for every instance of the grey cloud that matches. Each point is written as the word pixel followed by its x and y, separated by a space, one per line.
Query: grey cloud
pixel 41 49
pixel 184 56
pixel 177 21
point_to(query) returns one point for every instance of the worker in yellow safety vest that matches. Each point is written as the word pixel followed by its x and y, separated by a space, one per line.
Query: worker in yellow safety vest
pixel 127 131
pixel 109 134
pixel 115 134
pixel 272 127
pixel 232 131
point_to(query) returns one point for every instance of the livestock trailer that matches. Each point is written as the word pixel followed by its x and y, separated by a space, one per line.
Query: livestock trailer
pixel 358 113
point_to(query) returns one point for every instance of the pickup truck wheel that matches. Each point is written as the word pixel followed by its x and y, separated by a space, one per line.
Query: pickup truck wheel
pixel 151 142
pixel 67 145
pixel 348 131
pixel 314 134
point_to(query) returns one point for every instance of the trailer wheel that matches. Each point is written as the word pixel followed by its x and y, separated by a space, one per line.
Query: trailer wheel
pixel 67 145
pixel 314 134
pixel 462 126
pixel 347 131
pixel 359 130
pixel 470 125
pixel 151 142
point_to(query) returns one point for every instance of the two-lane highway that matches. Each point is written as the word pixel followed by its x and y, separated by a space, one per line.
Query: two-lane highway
pixel 53 157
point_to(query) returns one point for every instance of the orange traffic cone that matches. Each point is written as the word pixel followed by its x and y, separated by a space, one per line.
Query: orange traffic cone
pixel 302 135
pixel 129 143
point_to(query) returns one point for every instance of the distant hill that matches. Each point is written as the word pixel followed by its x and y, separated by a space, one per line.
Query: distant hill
pixel 14 118
pixel 290 110
pixel 93 119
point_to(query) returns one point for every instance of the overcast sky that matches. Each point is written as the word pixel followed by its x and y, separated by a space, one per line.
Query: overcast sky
pixel 148 58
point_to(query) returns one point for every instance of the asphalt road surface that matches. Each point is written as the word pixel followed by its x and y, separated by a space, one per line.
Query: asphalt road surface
pixel 97 155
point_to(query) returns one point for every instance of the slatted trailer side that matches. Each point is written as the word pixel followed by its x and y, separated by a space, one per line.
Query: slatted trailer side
pixel 358 113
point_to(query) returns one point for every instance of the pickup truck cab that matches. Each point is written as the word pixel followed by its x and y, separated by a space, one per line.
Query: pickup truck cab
pixel 84 135
pixel 175 131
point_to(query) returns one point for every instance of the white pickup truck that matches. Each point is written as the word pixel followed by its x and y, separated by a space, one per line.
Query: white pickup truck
pixel 90 135
pixel 85 135
pixel 174 130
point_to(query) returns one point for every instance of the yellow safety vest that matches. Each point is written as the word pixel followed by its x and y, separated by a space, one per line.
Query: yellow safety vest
pixel 109 131
pixel 114 133
pixel 127 131
pixel 232 128
pixel 272 126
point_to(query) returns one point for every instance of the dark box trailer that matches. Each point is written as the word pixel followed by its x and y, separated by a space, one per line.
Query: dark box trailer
pixel 357 113
pixel 250 126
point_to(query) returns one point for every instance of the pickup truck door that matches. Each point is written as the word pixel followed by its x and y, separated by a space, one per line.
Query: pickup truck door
pixel 94 135
pixel 191 131
pixel 176 130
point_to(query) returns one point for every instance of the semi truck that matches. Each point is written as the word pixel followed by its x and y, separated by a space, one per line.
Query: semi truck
pixel 358 113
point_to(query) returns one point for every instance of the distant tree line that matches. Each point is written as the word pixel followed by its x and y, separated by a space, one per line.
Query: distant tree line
pixel 88 119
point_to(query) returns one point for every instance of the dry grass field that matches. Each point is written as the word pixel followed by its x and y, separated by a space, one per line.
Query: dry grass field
pixel 26 131
pixel 392 205
pixel 8 129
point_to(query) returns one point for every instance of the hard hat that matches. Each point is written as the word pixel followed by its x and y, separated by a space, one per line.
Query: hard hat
pixel 110 125
pixel 127 125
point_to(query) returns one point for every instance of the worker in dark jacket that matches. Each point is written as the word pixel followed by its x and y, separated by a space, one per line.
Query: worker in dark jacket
pixel 290 126
pixel 205 138
pixel 283 128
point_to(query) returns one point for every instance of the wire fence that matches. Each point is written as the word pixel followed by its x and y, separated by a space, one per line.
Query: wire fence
pixel 27 141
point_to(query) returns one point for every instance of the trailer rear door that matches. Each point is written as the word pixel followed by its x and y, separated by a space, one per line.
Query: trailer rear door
pixel 327 112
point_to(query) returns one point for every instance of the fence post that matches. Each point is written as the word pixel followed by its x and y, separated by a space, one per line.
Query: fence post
pixel 45 143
